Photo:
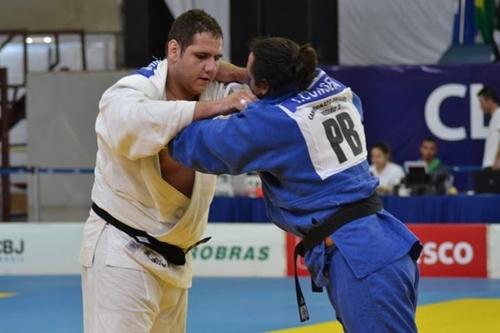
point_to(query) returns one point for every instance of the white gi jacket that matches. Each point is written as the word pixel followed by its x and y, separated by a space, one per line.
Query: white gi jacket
pixel 134 123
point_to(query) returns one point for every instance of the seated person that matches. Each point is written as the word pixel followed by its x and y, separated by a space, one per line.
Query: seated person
pixel 440 177
pixel 388 173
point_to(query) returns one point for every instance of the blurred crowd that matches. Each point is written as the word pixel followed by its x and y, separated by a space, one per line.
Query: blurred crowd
pixel 428 175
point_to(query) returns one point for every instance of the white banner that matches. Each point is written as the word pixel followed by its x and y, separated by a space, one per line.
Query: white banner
pixel 394 32
pixel 494 251
pixel 236 249
pixel 36 248
pixel 243 249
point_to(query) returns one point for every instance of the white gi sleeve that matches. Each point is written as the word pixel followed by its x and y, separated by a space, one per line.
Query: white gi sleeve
pixel 136 126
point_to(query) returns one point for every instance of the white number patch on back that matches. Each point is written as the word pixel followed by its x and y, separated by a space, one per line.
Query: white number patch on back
pixel 333 132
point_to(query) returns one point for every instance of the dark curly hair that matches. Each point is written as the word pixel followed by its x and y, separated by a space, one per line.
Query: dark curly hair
pixel 281 62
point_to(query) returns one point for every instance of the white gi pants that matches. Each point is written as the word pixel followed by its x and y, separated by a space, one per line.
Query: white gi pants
pixel 119 296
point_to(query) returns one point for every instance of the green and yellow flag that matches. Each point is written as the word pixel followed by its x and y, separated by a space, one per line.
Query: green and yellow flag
pixel 485 16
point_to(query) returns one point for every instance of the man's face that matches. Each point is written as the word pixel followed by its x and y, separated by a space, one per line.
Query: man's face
pixel 428 151
pixel 260 89
pixel 486 105
pixel 379 159
pixel 197 65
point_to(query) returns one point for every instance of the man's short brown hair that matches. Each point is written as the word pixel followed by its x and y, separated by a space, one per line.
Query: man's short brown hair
pixel 489 93
pixel 190 23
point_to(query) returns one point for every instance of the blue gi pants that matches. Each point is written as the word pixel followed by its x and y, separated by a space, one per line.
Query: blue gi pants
pixel 383 301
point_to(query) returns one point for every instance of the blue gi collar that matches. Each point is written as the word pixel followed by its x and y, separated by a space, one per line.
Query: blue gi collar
pixel 280 95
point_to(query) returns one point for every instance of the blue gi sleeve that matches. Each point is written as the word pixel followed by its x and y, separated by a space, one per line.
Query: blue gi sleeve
pixel 248 141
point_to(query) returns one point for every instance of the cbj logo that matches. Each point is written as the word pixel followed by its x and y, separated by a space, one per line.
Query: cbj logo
pixel 446 132
pixel 8 246
pixel 447 253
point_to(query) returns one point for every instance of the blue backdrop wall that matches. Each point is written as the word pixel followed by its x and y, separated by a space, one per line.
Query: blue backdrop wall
pixel 404 104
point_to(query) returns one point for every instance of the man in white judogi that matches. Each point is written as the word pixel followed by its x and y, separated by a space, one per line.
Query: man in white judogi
pixel 127 287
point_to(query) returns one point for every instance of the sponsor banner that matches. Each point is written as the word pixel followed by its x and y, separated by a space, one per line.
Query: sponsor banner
pixel 494 250
pixel 53 248
pixel 36 248
pixel 457 250
pixel 243 249
pixel 248 250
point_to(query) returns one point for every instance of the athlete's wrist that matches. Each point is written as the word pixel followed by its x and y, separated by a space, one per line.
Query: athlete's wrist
pixel 206 110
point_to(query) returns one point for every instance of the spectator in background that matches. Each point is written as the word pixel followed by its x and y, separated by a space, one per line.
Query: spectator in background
pixel 489 102
pixel 388 173
pixel 439 173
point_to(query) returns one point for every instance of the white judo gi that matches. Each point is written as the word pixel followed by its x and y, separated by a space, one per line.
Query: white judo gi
pixel 126 287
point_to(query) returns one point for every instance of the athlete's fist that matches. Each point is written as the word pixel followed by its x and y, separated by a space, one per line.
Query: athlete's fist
pixel 234 102
pixel 237 101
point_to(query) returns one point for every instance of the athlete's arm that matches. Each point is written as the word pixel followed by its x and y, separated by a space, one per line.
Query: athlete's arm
pixel 136 126
pixel 249 141
pixel 236 101
pixel 230 73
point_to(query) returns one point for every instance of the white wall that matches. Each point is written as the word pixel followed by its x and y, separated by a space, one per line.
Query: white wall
pixel 89 15
pixel 61 112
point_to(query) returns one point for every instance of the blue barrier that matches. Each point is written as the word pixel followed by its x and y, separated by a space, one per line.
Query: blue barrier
pixel 484 208
pixel 44 170
pixel 59 170
pixel 466 168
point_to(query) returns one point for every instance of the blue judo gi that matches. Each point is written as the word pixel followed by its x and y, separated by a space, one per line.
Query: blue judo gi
pixel 309 149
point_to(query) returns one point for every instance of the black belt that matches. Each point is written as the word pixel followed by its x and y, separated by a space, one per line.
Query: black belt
pixel 173 254
pixel 317 234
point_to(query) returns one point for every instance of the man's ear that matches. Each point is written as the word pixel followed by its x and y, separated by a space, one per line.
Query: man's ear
pixel 263 87
pixel 173 50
